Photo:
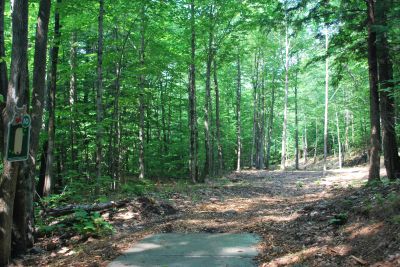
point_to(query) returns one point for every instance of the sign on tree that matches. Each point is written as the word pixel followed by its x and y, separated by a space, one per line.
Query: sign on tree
pixel 18 137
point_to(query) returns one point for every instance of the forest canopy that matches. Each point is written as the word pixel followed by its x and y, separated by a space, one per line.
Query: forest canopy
pixel 119 92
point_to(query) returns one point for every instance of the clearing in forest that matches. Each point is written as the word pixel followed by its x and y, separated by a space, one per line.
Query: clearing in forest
pixel 300 216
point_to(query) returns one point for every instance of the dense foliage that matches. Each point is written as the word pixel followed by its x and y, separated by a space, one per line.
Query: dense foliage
pixel 249 57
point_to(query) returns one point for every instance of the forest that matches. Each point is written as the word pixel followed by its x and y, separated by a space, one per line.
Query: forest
pixel 137 106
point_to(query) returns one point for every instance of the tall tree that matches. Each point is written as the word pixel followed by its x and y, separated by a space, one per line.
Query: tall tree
pixel 338 140
pixel 17 96
pixel 73 96
pixel 326 97
pixel 38 91
pixel 142 91
pixel 217 120
pixel 375 139
pixel 208 163
pixel 49 174
pixel 285 108
pixel 270 121
pixel 3 64
pixel 238 114
pixel 193 164
pixel 387 103
pixel 296 119
pixel 99 97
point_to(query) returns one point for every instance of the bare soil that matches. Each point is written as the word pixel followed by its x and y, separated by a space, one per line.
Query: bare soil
pixel 303 218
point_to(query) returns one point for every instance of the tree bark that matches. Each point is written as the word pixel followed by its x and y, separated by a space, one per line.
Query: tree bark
pixel 3 63
pixel 316 141
pixel 261 121
pixel 255 109
pixel 193 145
pixel 375 138
pixel 285 109
pixel 296 123
pixel 238 115
pixel 339 141
pixel 305 144
pixel 49 176
pixel 387 103
pixel 271 122
pixel 141 93
pixel 99 98
pixel 326 98
pixel 3 71
pixel 217 120
pixel 73 99
pixel 38 91
pixel 208 103
pixel 17 97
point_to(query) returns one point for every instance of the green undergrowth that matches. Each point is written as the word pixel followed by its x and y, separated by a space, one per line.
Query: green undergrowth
pixel 383 200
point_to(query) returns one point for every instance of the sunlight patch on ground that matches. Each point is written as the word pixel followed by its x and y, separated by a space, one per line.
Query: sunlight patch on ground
pixel 293 258
pixel 283 218
pixel 341 250
pixel 371 229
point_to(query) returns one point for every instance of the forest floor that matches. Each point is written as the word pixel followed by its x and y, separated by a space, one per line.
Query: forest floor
pixel 303 218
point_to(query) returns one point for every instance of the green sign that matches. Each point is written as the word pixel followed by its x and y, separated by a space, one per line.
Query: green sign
pixel 19 133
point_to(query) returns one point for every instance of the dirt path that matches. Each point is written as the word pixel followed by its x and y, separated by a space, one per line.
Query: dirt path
pixel 303 219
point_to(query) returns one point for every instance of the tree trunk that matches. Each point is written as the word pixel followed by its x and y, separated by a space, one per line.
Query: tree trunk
pixel 217 120
pixel 193 164
pixel 99 98
pixel 17 97
pixel 339 142
pixel 255 109
pixel 73 99
pixel 238 115
pixel 285 109
pixel 296 122
pixel 208 105
pixel 316 141
pixel 387 104
pixel 261 122
pixel 141 94
pixel 271 122
pixel 3 73
pixel 38 91
pixel 3 63
pixel 326 98
pixel 305 144
pixel 49 176
pixel 375 139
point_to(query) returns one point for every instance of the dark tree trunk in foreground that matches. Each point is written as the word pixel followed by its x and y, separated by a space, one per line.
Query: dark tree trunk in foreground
pixel 375 139
pixel 99 98
pixel 38 91
pixel 387 103
pixel 17 96
pixel 3 64
pixel 49 176
pixel 193 146
pixel 238 114
pixel 3 72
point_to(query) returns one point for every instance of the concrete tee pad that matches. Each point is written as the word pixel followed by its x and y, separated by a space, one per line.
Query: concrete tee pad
pixel 196 250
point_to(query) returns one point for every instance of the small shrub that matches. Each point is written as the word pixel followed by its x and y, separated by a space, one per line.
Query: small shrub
pixel 91 224
pixel 299 184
